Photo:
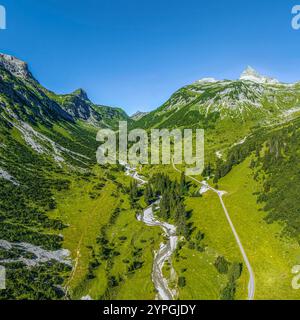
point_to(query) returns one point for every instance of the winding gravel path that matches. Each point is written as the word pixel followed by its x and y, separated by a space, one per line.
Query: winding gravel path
pixel 251 284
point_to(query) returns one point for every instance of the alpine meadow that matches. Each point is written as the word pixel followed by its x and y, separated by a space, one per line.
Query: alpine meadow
pixel 87 231
pixel 189 203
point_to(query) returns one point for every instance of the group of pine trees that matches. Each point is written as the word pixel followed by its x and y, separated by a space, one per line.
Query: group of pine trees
pixel 278 168
pixel 172 205
pixel 235 156
pixel 134 194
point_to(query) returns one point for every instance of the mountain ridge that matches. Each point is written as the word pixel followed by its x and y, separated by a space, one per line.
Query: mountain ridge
pixel 71 107
pixel 16 66
pixel 252 75
pixel 57 204
pixel 251 97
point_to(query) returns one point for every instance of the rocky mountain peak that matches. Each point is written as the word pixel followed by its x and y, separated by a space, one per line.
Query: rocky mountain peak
pixel 138 115
pixel 252 75
pixel 17 67
pixel 80 93
pixel 249 71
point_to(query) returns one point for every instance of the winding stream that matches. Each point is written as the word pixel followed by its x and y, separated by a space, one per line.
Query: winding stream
pixel 165 251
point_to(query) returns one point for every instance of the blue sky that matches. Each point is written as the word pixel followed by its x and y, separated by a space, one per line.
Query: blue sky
pixel 135 53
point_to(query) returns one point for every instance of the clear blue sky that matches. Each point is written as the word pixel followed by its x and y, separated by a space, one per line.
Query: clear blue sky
pixel 136 53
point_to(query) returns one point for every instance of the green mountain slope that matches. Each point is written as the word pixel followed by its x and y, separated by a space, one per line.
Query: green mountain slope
pixel 215 105
pixel 78 105
pixel 46 146
pixel 262 197
pixel 252 147
pixel 68 227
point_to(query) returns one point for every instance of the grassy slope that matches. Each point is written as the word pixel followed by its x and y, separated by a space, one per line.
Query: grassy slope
pixel 203 281
pixel 271 256
pixel 85 217
pixel 207 283
pixel 139 285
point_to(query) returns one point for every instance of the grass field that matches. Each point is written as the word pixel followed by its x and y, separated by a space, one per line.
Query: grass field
pixel 203 281
pixel 85 217
pixel 137 285
pixel 271 255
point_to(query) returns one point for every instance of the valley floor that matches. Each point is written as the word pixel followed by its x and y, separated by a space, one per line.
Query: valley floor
pixel 103 268
pixel 103 271
pixel 272 255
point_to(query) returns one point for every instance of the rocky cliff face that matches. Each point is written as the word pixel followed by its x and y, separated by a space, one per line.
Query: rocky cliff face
pixel 78 105
pixel 252 75
pixel 138 115
pixel 15 66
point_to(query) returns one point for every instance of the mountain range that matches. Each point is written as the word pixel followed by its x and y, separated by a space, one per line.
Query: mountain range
pixel 68 226
pixel 208 101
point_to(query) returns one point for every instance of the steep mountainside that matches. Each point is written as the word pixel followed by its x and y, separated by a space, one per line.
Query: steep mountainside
pixel 209 102
pixel 47 146
pixel 79 106
pixel 138 115
pixel 68 227
pixel 30 98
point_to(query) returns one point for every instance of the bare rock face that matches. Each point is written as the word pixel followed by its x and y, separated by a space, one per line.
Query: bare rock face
pixel 17 67
pixel 251 75
pixel 81 94
pixel 78 105
pixel 138 115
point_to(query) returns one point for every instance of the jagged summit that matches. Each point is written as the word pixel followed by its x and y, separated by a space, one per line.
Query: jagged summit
pixel 249 74
pixel 252 75
pixel 16 66
pixel 138 115
pixel 41 105
pixel 81 94
pixel 206 103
